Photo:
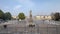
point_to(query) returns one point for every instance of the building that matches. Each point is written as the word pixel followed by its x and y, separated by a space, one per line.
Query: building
pixel 14 17
pixel 42 17
pixel 38 17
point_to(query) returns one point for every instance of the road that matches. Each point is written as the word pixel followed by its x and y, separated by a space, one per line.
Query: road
pixel 20 27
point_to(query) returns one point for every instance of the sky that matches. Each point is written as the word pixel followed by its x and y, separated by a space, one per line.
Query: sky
pixel 38 7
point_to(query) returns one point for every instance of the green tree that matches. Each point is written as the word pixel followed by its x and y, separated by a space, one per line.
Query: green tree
pixel 8 16
pixel 1 15
pixel 21 16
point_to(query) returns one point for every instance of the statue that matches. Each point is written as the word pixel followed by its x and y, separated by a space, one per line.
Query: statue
pixel 31 20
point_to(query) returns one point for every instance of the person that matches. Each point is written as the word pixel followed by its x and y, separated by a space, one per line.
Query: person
pixel 5 26
pixel 43 21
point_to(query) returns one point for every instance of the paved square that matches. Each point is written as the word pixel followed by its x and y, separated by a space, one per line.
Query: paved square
pixel 21 28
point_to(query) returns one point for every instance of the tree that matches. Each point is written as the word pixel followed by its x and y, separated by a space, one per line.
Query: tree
pixel 21 16
pixel 1 15
pixel 56 16
pixel 7 16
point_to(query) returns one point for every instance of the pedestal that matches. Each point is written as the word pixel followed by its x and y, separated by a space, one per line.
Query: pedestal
pixel 31 25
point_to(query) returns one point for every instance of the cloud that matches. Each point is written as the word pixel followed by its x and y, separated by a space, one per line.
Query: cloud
pixel 27 3
pixel 6 7
pixel 17 7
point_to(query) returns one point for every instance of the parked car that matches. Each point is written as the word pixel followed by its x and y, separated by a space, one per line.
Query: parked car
pixel 2 21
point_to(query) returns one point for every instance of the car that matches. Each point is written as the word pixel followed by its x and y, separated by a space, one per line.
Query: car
pixel 2 21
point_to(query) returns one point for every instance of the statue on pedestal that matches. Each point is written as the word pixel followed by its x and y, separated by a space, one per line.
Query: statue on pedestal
pixel 31 20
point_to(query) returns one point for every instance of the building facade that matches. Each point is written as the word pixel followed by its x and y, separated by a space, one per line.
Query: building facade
pixel 43 17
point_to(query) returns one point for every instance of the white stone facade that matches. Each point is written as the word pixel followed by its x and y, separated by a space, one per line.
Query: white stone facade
pixel 43 17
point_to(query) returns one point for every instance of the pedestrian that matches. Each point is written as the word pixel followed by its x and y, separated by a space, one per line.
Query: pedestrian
pixel 5 26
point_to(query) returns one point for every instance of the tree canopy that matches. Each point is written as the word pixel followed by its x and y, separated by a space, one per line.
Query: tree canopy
pixel 8 16
pixel 21 16
pixel 56 16
pixel 1 14
pixel 5 16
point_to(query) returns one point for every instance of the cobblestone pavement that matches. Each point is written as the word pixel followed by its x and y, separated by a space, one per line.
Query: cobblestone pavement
pixel 21 28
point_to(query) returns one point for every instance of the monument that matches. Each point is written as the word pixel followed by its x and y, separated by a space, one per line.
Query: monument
pixel 31 24
pixel 30 18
